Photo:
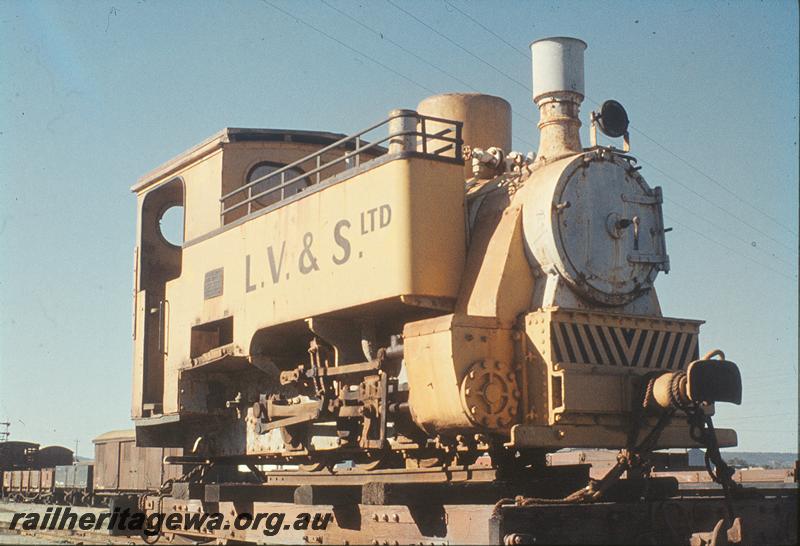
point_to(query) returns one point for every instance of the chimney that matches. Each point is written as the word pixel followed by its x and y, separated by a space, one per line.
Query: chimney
pixel 558 92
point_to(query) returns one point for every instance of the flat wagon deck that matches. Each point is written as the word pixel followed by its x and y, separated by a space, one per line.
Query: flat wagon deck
pixel 445 506
pixel 663 511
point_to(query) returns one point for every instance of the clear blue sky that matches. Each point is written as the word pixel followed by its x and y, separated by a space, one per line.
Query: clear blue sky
pixel 94 94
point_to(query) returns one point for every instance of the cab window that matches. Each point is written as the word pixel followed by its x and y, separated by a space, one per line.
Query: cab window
pixel 264 169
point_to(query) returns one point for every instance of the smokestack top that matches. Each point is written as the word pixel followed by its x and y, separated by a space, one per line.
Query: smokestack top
pixel 557 66
pixel 558 92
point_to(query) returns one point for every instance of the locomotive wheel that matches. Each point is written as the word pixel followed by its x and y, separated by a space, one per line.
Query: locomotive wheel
pixel 374 461
pixel 368 465
pixel 316 466
pixel 424 462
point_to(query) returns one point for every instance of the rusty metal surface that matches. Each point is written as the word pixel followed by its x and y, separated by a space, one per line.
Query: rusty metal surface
pixel 455 474
pixel 352 523
pixel 766 520
pixel 745 476
pixel 426 520
pixel 356 477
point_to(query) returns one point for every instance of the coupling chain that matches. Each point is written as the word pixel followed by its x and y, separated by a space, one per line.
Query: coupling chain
pixel 701 429
pixel 596 489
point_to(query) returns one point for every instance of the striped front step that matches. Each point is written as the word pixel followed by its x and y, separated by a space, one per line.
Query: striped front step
pixel 601 339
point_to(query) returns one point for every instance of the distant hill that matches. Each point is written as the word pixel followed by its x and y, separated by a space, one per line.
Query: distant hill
pixel 762 459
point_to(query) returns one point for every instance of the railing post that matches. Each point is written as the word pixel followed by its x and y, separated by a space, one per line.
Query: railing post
pixel 405 129
pixel 459 144
pixel 403 123
pixel 424 136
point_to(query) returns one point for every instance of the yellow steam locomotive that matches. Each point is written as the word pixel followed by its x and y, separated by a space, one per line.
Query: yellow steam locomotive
pixel 415 293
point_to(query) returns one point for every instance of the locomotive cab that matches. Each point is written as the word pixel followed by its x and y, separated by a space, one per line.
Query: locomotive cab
pixel 225 164
pixel 288 237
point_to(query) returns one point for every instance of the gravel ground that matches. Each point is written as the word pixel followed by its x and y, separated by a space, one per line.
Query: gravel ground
pixel 7 536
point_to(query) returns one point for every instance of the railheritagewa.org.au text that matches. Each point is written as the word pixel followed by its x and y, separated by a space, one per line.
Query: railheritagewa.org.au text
pixel 63 518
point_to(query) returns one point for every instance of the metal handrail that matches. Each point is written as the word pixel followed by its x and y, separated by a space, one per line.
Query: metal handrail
pixel 359 147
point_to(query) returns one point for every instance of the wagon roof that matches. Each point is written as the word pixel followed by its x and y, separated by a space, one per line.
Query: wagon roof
pixel 18 443
pixel 115 435
pixel 233 134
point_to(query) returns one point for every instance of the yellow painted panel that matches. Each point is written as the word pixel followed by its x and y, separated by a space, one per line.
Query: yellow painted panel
pixel 439 352
pixel 394 230
pixel 138 356
pixel 202 192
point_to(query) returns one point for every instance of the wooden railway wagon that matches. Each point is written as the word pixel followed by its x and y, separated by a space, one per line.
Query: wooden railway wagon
pixel 74 483
pixel 28 470
pixel 28 455
pixel 15 454
pixel 52 456
pixel 122 471
pixel 28 485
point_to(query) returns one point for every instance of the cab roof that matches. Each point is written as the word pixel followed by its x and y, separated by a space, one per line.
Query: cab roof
pixel 233 134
